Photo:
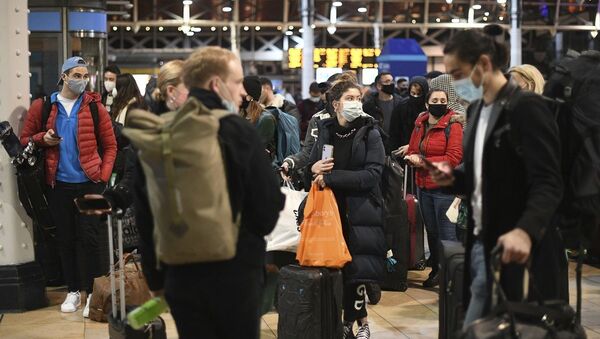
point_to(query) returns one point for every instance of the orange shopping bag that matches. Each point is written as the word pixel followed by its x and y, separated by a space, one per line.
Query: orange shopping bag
pixel 321 239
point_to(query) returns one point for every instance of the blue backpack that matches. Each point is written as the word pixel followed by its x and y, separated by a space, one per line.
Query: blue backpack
pixel 288 134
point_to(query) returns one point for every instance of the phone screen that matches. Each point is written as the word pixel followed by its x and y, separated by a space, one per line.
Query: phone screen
pixel 327 152
pixel 92 204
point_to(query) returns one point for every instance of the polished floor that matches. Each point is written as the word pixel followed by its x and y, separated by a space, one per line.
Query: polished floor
pixel 413 314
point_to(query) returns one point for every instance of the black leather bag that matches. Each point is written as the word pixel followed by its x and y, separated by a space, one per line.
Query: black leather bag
pixel 525 320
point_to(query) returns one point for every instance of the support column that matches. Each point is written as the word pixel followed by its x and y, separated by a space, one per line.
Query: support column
pixel 234 27
pixel 22 285
pixel 515 33
pixel 308 72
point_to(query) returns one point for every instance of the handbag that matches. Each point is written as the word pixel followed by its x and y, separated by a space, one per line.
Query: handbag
pixel 285 236
pixel 322 242
pixel 525 320
pixel 136 291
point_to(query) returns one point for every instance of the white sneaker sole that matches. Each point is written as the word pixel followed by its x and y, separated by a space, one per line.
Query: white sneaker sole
pixel 70 311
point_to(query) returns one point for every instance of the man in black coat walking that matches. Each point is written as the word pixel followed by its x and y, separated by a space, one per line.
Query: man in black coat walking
pixel 511 175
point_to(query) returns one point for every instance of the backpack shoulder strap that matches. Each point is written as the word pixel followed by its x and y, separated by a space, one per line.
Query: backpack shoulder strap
pixel 96 119
pixel 46 109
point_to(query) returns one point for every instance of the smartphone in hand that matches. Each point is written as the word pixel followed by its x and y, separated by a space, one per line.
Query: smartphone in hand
pixel 327 152
pixel 431 168
pixel 55 135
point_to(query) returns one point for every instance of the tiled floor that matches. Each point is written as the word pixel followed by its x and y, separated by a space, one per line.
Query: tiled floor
pixel 413 314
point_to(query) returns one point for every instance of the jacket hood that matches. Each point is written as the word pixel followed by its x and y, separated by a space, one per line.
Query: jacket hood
pixel 91 96
pixel 445 83
pixel 420 81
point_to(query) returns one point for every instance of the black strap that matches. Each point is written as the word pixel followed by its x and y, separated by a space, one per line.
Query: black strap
pixel 46 109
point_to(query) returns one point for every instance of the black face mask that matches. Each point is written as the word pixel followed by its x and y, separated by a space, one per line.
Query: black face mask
pixel 387 89
pixel 438 110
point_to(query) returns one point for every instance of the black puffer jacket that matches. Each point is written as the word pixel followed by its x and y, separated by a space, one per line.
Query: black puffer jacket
pixel 359 183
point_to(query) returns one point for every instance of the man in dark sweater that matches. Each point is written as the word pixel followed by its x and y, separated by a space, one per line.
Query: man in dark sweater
pixel 205 298
pixel 381 104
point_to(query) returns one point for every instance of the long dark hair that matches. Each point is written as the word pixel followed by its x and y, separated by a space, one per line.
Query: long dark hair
pixel 126 90
pixel 469 45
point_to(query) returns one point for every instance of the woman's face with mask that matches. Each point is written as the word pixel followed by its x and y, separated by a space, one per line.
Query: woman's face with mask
pixel 416 90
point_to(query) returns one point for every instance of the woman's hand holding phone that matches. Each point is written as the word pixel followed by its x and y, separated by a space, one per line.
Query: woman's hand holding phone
pixel 322 166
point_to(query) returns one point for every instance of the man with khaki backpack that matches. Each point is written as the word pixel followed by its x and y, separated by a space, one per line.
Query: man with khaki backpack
pixel 203 173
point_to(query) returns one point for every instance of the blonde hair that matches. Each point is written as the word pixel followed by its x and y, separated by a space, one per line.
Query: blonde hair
pixel 169 74
pixel 204 63
pixel 534 79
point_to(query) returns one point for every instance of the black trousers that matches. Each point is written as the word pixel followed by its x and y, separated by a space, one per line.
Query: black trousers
pixel 77 235
pixel 355 305
pixel 215 301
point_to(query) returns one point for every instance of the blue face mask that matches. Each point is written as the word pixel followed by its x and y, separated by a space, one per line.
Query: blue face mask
pixel 466 89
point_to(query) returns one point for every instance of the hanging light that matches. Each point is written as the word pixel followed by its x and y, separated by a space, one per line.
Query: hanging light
pixel 161 28
pixel 213 28
pixel 246 28
pixel 337 3
pixel 288 33
pixel 187 2
pixel 331 29
pixel 594 34
pixel 362 9
pixel 115 28
pixel 476 7
pixel 226 9
pixel 147 29
pixel 257 28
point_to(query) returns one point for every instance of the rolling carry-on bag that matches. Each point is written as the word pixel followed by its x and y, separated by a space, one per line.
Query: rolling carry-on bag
pixel 310 303
pixel 451 289
pixel 396 225
pixel 118 328
pixel 416 247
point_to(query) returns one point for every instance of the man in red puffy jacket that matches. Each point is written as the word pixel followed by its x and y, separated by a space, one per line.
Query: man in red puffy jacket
pixel 80 149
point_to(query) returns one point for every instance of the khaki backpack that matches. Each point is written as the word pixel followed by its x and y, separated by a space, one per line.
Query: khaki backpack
pixel 187 183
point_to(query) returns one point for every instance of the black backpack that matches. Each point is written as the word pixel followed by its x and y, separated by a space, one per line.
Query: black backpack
pixel 574 90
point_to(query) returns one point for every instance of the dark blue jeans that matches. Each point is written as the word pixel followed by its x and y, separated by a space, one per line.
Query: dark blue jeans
pixel 434 205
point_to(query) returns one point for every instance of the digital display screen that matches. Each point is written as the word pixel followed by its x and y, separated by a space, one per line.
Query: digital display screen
pixel 344 58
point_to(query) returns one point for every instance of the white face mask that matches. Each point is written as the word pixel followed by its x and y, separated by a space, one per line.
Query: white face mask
pixel 466 89
pixel 315 99
pixel 351 110
pixel 229 105
pixel 109 86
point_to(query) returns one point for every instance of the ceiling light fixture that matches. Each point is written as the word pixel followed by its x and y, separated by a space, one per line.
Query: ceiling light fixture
pixel 594 34
pixel 257 28
pixel 501 2
pixel 128 28
pixel 501 18
pixel 288 33
pixel 187 2
pixel 337 3
pixel 147 29
pixel 161 28
pixel 455 20
pixel 224 28
pixel 362 9
pixel 246 28
pixel 414 21
pixel 213 28
pixel 486 13
pixel 485 18
pixel 476 7
pixel 226 9
pixel 331 29
pixel 190 33
pixel 196 29
pixel 437 20
pixel 449 2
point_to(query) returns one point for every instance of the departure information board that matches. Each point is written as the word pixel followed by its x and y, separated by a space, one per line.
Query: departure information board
pixel 345 58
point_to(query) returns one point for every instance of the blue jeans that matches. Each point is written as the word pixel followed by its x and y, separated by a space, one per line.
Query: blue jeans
pixel 434 205
pixel 479 286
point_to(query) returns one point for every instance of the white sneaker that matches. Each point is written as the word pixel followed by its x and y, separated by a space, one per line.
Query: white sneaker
pixel 71 303
pixel 86 310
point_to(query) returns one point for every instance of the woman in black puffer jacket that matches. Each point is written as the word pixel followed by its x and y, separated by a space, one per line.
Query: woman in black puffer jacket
pixel 354 174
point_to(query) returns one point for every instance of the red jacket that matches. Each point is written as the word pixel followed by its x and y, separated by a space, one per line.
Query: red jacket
pixel 96 169
pixel 434 146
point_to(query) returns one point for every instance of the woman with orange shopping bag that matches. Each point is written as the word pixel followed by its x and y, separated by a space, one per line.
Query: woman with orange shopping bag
pixel 352 171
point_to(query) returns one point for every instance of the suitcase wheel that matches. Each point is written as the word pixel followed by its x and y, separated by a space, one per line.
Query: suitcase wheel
pixel 420 266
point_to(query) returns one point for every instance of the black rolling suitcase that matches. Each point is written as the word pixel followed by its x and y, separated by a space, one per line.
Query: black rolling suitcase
pixel 451 312
pixel 118 328
pixel 396 225
pixel 309 303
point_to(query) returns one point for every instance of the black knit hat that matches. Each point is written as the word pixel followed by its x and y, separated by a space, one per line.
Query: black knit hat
pixel 252 86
